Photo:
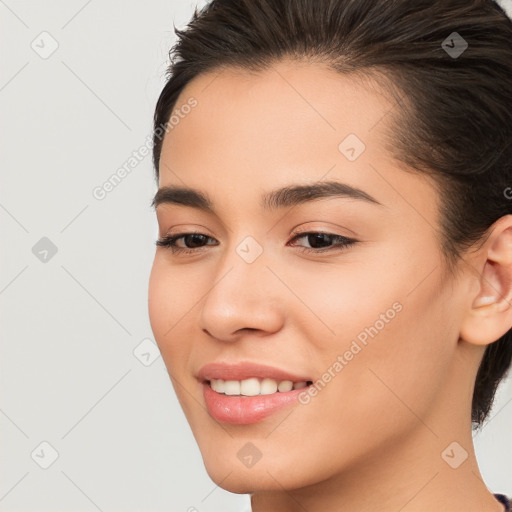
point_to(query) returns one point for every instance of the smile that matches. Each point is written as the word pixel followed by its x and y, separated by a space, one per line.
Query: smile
pixel 255 386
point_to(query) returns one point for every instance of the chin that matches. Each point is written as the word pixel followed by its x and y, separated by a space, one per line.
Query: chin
pixel 237 484
pixel 267 474
pixel 242 480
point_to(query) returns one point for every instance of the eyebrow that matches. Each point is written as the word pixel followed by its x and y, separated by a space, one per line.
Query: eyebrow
pixel 291 195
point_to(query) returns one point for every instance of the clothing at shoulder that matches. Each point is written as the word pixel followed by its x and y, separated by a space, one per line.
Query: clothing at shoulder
pixel 500 497
pixel 506 501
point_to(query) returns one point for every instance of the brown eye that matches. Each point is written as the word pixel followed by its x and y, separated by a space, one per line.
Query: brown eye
pixel 320 242
pixel 192 242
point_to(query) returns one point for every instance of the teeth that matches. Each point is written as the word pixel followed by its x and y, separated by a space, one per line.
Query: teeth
pixel 254 386
pixel 268 386
pixel 249 387
pixel 286 385
pixel 232 387
pixel 217 385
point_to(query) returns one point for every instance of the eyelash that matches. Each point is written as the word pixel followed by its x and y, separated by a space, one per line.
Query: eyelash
pixel 170 241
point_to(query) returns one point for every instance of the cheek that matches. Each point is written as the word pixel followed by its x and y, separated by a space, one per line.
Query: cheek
pixel 343 301
pixel 158 300
pixel 400 371
pixel 171 297
pixel 391 323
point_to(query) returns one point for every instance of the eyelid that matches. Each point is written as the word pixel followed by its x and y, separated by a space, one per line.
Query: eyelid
pixel 169 242
pixel 341 246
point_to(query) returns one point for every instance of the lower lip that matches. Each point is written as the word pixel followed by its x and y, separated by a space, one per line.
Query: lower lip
pixel 244 410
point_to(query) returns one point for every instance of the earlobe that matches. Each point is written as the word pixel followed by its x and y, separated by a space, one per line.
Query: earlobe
pixel 489 315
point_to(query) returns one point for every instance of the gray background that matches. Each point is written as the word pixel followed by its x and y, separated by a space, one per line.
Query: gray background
pixel 79 368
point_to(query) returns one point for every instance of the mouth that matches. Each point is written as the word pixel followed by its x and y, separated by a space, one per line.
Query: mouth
pixel 246 393
pixel 255 386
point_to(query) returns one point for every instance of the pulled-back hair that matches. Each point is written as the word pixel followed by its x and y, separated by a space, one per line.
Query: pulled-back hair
pixel 453 119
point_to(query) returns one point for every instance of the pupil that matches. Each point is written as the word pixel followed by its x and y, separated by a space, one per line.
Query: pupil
pixel 317 237
pixel 195 237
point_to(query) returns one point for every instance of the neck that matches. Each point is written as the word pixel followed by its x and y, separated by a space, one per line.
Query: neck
pixel 411 475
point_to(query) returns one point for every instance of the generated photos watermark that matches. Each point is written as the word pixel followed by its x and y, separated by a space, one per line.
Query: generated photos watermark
pixel 100 192
pixel 357 345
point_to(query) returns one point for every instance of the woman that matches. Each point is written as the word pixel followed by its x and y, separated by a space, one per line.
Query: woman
pixel 331 290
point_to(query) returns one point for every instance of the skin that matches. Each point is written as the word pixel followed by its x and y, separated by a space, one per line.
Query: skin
pixel 373 437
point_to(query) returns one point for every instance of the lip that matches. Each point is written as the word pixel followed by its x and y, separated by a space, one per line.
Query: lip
pixel 246 410
pixel 246 370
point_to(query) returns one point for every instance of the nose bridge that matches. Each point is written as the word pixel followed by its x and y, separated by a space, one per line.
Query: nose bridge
pixel 243 266
pixel 241 294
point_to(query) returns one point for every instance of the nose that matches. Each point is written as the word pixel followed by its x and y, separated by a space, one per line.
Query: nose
pixel 242 296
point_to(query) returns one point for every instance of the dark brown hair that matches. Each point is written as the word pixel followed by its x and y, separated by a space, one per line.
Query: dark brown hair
pixel 454 121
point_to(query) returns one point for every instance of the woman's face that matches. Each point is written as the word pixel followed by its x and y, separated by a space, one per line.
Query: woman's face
pixel 364 311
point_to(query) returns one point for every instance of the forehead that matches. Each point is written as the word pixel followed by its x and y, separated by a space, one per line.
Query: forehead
pixel 286 103
pixel 289 123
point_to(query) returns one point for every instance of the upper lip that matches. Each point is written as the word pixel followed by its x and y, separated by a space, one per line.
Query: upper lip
pixel 246 370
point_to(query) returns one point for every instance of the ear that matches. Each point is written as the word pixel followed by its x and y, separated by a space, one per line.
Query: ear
pixel 489 314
